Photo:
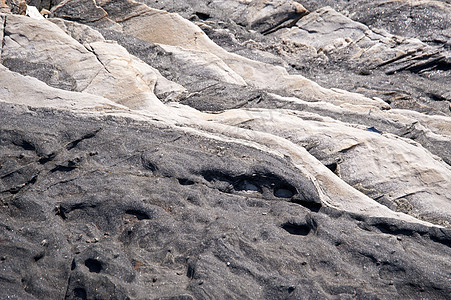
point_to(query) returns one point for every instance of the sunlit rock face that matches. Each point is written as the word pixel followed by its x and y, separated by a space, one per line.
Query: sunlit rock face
pixel 225 149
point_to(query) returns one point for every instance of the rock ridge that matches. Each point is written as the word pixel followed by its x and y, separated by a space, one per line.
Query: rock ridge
pixel 225 149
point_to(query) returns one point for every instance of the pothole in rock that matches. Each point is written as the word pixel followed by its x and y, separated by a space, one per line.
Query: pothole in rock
pixel 283 193
pixel 93 265
pixel 268 185
pixel 133 216
pixel 80 293
pixel 296 229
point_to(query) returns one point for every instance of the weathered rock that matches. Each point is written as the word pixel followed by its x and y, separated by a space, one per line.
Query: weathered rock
pixel 185 229
pixel 96 66
pixel 281 188
pixel 427 20
pixel 420 88
pixel 413 182
pixel 81 11
pixel 171 29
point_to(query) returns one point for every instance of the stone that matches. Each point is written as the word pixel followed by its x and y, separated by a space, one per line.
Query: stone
pixel 184 150
pixel 165 28
pixel 33 12
pixel 81 11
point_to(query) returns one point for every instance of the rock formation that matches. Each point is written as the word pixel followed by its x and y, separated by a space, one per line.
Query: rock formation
pixel 225 149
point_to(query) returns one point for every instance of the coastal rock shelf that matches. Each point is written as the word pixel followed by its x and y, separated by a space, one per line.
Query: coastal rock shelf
pixel 225 149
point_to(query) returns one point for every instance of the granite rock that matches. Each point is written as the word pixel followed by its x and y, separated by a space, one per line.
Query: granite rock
pixel 223 149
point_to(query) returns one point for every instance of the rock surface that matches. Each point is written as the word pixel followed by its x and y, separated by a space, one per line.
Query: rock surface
pixel 225 149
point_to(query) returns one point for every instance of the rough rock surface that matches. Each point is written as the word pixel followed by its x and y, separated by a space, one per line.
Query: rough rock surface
pixel 225 149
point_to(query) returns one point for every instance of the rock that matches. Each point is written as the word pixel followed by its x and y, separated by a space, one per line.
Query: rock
pixel 413 19
pixel 262 16
pixel 81 11
pixel 355 159
pixel 33 12
pixel 182 150
pixel 165 29
pixel 90 194
pixel 102 65
pixel 22 8
pixel 45 12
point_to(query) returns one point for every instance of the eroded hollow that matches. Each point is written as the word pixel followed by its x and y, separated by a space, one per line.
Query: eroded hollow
pixel 265 183
pixel 202 16
pixel 284 192
pixel 184 181
pixel 296 229
pixel 93 265
pixel 140 215
pixel 80 293
pixel 311 205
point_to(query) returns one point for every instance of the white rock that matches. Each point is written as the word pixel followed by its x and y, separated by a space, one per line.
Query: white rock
pixel 34 13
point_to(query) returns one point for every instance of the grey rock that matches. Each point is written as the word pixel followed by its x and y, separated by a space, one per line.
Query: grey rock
pixel 427 20
pixel 181 150
pixel 82 11
pixel 135 222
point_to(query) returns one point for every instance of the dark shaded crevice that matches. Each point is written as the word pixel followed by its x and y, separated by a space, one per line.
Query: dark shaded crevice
pixel 310 205
pixel 395 59
pixel 45 159
pixel 436 97
pixel 97 57
pixel 74 144
pixel 393 226
pixel 425 62
pixel 16 189
pixel 374 129
pixel 446 242
pixel 284 192
pixel 39 256
pixel 63 210
pixel 296 229
pixel 333 167
pixel 59 211
pixel 282 24
pixel 80 293
pixel 393 229
pixel 60 168
pixel 439 63
pixel 202 16
pixel 184 181
pixel 140 215
pixel 26 145
pixel 3 39
pixel 191 270
pixel 148 165
pixel 93 265
pixel 260 183
pixel 399 228
pixel 440 235
pixel 241 104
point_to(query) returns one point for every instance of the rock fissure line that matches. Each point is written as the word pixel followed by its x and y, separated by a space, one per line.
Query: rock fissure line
pixel 98 59
pixel 90 135
pixel 281 24
pixel 3 38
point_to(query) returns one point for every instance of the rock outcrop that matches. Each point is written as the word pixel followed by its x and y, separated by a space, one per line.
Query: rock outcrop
pixel 224 149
